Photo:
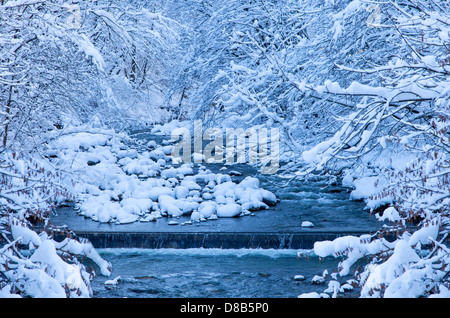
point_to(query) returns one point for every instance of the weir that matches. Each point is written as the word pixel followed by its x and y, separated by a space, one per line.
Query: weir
pixel 182 240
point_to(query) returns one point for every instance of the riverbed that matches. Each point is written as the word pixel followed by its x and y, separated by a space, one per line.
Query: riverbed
pixel 253 255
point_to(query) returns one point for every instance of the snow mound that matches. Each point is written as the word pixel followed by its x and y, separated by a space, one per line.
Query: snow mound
pixel 118 184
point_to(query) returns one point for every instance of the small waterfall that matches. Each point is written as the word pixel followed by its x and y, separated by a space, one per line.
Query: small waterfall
pixel 183 240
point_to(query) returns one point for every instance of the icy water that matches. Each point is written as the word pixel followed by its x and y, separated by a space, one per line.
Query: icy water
pixel 209 273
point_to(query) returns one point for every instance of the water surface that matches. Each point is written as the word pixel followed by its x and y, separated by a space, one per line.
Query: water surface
pixel 210 273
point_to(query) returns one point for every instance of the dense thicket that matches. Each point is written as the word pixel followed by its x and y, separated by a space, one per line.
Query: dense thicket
pixel 357 87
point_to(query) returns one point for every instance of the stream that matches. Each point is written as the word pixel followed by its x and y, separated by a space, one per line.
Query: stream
pixel 210 273
pixel 252 256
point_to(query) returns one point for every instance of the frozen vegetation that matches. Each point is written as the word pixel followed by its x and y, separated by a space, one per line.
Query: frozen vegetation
pixel 359 91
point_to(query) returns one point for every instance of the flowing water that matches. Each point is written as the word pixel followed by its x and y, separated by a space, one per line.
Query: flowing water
pixel 210 273
pixel 251 256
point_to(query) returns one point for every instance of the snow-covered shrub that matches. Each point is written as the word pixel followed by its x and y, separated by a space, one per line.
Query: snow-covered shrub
pixel 395 144
pixel 32 264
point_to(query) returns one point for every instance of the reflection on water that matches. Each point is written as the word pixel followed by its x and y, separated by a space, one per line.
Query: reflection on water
pixel 209 273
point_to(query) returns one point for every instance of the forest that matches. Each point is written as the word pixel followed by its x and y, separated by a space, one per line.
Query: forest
pixel 358 90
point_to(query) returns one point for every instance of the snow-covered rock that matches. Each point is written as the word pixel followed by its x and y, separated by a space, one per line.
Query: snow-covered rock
pixel 168 205
pixel 125 186
pixel 317 280
pixel 228 210
pixel 307 224
pixel 114 281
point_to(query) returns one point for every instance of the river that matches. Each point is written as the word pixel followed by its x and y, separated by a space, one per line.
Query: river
pixel 250 256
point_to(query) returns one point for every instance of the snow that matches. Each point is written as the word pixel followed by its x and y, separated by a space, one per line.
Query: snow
pixel 317 280
pixel 307 224
pixel 85 249
pixel 309 295
pixel 89 49
pixel 365 187
pixel 228 210
pixel 47 275
pixel 168 205
pixel 196 216
pixel 391 270
pixel 444 292
pixel 62 272
pixel 11 4
pixel 425 234
pixel 390 214
pixel 402 273
pixel 355 247
pixel 40 284
pixel 114 281
pixel 383 119
pixel 127 186
pixel 5 292
pixel 207 209
pixel 24 234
